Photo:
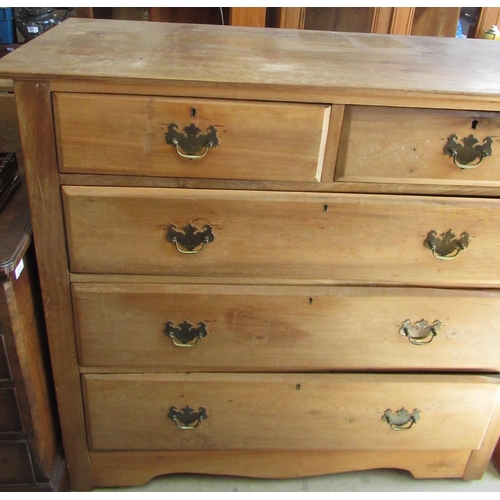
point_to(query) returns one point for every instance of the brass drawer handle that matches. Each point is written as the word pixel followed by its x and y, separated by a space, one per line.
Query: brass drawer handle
pixel 188 418
pixel 422 333
pixel 447 247
pixel 402 420
pixel 190 240
pixel 189 145
pixel 464 155
pixel 185 334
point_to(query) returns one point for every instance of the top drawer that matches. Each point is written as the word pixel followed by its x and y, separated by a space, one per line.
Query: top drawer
pixel 137 135
pixel 415 146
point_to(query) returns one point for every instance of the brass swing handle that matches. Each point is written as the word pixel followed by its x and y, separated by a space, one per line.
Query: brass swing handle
pixel 446 247
pixel 402 420
pixel 187 419
pixel 422 333
pixel 190 144
pixel 190 239
pixel 465 154
pixel 185 334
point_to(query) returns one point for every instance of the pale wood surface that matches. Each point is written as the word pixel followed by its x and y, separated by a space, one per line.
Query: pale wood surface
pixel 98 50
pixel 126 135
pixel 407 146
pixel 287 411
pixel 132 468
pixel 287 328
pixel 37 136
pixel 370 239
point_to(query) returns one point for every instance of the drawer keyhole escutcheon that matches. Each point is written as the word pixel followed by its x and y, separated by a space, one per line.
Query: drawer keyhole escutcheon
pixel 185 334
pixel 402 420
pixel 190 240
pixel 446 247
pixel 421 333
pixel 470 151
pixel 187 419
pixel 192 145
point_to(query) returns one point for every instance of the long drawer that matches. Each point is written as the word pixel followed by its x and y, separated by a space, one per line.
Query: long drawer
pixel 287 411
pixel 155 136
pixel 408 146
pixel 239 328
pixel 271 235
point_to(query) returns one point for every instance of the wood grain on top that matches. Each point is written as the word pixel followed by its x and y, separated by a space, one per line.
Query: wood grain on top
pixel 104 50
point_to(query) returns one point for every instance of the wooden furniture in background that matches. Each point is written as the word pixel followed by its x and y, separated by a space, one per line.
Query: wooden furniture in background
pixel 234 16
pixel 30 451
pixel 424 21
pixel 428 21
pixel 234 281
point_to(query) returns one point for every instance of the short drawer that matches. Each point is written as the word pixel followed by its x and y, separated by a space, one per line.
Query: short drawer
pixel 396 145
pixel 135 135
pixel 270 235
pixel 287 411
pixel 257 328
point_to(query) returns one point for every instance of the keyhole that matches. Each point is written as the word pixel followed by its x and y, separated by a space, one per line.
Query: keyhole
pixel 310 301
pixel 325 208
pixel 474 124
pixel 194 112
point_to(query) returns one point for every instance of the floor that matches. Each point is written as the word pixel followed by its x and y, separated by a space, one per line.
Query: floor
pixel 366 481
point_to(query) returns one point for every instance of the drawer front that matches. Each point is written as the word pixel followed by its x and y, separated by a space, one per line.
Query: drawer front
pixel 287 411
pixel 408 146
pixel 4 361
pixel 10 418
pixel 16 466
pixel 270 235
pixel 241 328
pixel 128 135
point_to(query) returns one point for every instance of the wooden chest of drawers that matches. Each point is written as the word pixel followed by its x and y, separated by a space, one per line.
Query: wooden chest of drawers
pixel 265 253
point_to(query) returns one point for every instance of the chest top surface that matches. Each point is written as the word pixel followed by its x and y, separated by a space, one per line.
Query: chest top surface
pixel 131 51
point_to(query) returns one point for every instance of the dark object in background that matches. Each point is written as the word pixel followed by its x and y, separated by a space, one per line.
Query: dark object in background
pixel 9 180
pixel 33 21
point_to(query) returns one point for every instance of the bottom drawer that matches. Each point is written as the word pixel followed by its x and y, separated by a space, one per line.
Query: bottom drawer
pixel 15 463
pixel 288 411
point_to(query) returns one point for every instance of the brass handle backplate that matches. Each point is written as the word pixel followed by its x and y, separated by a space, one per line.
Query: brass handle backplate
pixel 187 419
pixel 185 334
pixel 446 247
pixel 190 240
pixel 470 151
pixel 190 144
pixel 422 333
pixel 402 420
